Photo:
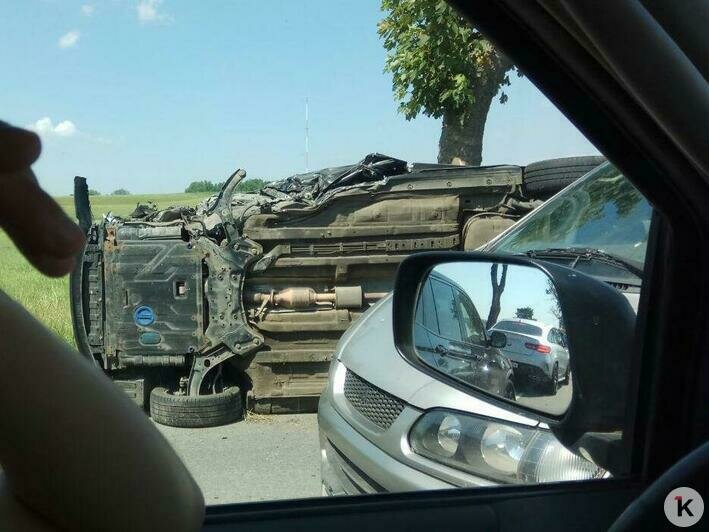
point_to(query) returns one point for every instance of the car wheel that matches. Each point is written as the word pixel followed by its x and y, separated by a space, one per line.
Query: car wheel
pixel 567 375
pixel 510 392
pixel 190 411
pixel 553 385
pixel 543 179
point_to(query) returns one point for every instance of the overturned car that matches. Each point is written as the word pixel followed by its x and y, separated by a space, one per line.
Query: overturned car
pixel 241 300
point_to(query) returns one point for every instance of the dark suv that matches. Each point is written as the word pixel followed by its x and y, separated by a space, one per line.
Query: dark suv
pixel 451 337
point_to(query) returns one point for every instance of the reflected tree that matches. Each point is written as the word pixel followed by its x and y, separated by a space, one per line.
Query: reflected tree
pixel 498 286
pixel 555 305
pixel 524 313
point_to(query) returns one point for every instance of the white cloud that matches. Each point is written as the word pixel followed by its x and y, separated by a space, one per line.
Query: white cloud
pixel 88 10
pixel 149 11
pixel 65 128
pixel 45 127
pixel 69 39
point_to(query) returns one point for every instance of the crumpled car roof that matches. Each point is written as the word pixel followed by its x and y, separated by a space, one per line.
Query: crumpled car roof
pixel 312 185
pixel 299 189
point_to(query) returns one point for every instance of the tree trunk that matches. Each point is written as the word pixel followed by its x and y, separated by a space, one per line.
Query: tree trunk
pixel 497 288
pixel 462 143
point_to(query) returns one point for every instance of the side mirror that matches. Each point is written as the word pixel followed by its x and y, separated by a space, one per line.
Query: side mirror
pixel 498 339
pixel 442 299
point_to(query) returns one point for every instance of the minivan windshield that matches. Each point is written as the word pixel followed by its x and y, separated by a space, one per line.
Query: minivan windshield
pixel 602 211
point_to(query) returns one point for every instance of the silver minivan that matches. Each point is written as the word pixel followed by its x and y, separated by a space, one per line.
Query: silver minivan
pixel 376 403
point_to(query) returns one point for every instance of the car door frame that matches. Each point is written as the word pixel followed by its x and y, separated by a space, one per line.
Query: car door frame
pixel 588 76
pixel 489 355
pixel 476 352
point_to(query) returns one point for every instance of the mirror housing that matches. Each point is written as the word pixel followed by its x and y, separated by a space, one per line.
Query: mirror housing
pixel 498 339
pixel 600 324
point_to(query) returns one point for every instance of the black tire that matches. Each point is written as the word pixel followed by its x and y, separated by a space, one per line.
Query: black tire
pixel 553 384
pixel 510 392
pixel 567 375
pixel 543 179
pixel 197 410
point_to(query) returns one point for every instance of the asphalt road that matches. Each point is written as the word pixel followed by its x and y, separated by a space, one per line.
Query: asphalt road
pixel 270 457
pixel 547 403
pixel 261 458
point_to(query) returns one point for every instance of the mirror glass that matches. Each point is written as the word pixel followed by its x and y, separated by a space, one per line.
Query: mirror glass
pixel 498 328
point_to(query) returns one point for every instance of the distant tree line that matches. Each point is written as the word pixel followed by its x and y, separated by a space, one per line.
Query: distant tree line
pixel 247 186
pixel 119 192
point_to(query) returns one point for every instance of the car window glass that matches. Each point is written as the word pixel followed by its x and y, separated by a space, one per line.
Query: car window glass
pixel 603 212
pixel 552 336
pixel 519 327
pixel 472 327
pixel 446 310
pixel 426 309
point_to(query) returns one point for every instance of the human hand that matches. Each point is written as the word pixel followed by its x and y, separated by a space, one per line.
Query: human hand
pixel 39 227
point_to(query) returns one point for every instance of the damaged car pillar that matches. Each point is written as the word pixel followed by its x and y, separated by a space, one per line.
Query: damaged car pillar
pixel 195 310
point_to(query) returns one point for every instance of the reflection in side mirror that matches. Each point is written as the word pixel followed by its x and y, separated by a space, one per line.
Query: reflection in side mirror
pixel 497 328
pixel 498 339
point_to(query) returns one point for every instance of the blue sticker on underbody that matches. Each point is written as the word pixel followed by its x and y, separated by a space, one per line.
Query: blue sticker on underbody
pixel 144 316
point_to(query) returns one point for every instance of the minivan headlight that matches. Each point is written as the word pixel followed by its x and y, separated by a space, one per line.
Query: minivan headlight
pixel 504 452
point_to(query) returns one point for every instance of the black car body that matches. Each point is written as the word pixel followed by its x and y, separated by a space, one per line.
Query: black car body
pixel 451 337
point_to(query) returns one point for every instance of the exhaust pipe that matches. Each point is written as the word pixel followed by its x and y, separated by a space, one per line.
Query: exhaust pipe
pixel 297 298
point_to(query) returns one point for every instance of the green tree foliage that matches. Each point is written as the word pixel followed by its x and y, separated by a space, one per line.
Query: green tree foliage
pixel 93 192
pixel 443 68
pixel 203 186
pixel 249 186
pixel 524 313
pixel 120 192
pixel 209 187
pixel 555 307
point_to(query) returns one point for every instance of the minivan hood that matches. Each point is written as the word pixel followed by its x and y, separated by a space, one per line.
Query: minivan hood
pixel 369 351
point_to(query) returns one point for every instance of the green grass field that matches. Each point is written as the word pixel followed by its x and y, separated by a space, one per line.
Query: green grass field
pixel 46 298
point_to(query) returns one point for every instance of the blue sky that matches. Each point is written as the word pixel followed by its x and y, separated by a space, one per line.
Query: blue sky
pixel 524 287
pixel 149 95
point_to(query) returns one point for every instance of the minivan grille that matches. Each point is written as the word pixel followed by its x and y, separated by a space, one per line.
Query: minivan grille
pixel 376 405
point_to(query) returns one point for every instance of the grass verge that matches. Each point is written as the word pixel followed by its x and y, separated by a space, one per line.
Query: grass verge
pixel 46 298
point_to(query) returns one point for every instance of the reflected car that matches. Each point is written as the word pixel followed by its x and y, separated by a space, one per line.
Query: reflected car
pixel 537 352
pixel 451 337
pixel 377 409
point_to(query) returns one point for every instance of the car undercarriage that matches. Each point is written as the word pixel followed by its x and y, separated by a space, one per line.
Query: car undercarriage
pixel 254 290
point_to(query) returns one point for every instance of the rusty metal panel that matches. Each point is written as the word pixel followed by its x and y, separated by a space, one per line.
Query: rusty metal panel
pixel 362 215
pixel 163 276
pixel 479 230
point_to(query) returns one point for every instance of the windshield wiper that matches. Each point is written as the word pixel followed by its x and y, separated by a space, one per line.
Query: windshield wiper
pixel 576 254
